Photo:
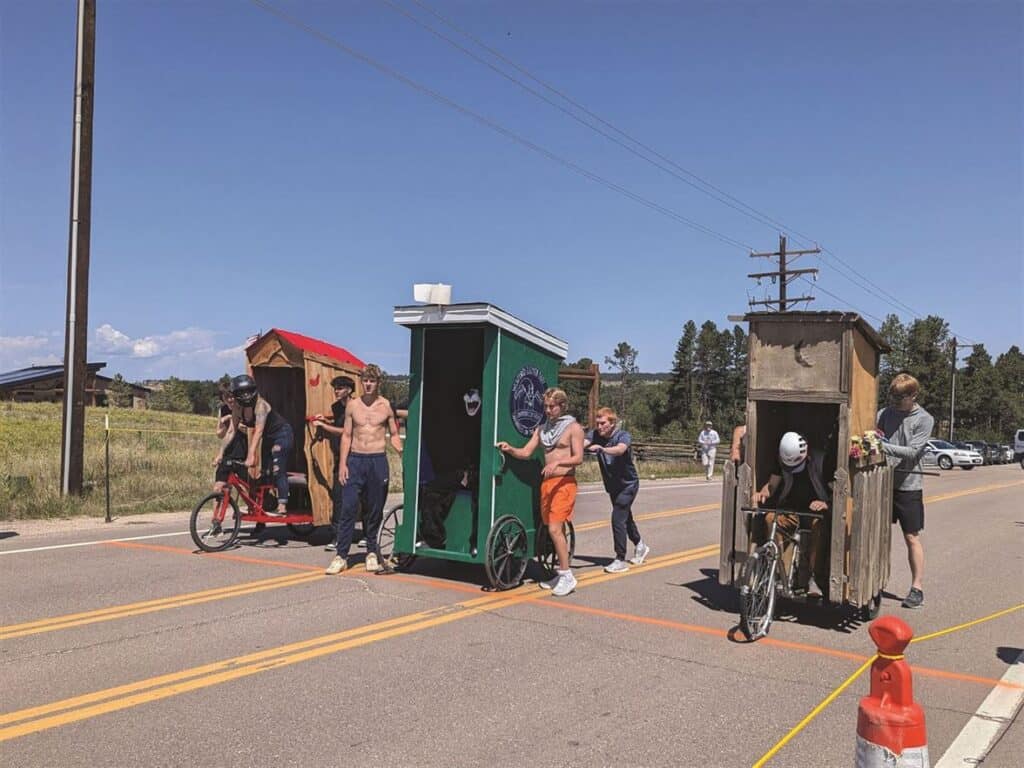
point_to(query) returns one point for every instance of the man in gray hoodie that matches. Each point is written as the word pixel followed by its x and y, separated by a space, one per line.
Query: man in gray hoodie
pixel 907 427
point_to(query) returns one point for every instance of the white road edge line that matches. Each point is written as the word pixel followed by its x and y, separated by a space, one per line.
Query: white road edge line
pixel 91 543
pixel 995 714
pixel 184 533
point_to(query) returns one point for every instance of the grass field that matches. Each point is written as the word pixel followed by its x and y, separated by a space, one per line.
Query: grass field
pixel 158 462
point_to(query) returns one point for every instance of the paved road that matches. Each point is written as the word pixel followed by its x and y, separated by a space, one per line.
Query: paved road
pixel 143 653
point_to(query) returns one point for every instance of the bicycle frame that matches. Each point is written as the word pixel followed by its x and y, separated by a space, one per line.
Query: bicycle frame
pixel 243 487
pixel 784 585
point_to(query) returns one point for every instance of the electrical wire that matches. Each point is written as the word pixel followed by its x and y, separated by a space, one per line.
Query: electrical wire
pixel 496 127
pixel 703 185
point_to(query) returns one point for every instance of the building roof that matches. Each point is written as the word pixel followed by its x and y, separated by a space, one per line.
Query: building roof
pixel 36 373
pixel 309 344
pixel 480 313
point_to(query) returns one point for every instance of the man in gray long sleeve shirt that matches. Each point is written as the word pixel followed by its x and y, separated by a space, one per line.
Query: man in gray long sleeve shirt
pixel 907 426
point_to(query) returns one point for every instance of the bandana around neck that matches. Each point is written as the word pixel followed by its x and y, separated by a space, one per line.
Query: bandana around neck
pixel 550 431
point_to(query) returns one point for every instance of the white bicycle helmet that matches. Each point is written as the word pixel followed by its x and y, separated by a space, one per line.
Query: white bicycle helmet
pixel 793 451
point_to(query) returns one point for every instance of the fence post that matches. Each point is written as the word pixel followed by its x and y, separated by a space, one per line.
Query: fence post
pixel 106 441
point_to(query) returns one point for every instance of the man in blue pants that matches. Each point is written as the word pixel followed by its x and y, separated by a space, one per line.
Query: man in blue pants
pixel 363 468
pixel 612 446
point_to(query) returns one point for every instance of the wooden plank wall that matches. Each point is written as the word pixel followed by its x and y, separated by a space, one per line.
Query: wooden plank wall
pixel 796 357
pixel 864 388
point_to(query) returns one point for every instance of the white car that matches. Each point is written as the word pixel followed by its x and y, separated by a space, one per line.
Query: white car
pixel 947 456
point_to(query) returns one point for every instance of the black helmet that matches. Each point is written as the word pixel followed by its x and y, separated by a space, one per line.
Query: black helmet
pixel 244 389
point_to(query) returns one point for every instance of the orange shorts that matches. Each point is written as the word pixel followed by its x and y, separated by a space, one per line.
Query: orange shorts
pixel 557 499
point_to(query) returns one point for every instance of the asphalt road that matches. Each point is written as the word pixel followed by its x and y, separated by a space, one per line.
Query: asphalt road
pixel 142 652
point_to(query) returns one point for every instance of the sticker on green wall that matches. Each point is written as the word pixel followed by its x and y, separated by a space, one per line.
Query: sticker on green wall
pixel 527 402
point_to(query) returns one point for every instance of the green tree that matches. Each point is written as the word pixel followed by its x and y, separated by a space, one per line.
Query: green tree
pixel 578 392
pixel 119 392
pixel 172 396
pixel 680 403
pixel 623 359
pixel 1009 369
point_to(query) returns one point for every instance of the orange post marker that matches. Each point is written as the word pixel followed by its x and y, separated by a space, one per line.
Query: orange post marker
pixel 890 724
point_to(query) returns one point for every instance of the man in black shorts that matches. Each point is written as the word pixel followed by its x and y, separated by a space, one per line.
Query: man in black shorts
pixel 906 427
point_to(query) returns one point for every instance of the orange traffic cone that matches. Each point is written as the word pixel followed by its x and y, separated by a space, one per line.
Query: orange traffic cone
pixel 890 725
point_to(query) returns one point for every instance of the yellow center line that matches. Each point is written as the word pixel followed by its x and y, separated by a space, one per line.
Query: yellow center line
pixel 650 516
pixel 149 606
pixel 90 705
pixel 971 491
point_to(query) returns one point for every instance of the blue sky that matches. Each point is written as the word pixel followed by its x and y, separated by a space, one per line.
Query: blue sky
pixel 248 175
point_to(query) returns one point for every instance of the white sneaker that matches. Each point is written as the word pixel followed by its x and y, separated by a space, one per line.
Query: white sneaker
pixel 640 554
pixel 372 564
pixel 616 566
pixel 332 547
pixel 566 584
pixel 338 564
pixel 550 583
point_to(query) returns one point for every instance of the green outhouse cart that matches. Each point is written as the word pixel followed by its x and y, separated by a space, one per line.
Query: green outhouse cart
pixel 477 376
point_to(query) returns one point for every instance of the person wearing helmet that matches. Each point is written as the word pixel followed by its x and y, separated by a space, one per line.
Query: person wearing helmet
pixel 798 484
pixel 708 441
pixel 233 445
pixel 270 437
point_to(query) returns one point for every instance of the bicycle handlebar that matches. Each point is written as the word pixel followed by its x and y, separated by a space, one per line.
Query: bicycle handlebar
pixel 767 510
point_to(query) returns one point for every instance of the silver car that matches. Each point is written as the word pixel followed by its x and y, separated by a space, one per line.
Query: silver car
pixel 946 456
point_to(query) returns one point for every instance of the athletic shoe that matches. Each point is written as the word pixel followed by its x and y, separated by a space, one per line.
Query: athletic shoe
pixel 640 554
pixel 616 566
pixel 338 564
pixel 550 583
pixel 914 599
pixel 372 564
pixel 332 547
pixel 566 584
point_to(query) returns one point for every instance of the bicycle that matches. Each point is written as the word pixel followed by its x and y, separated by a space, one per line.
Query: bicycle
pixel 760 581
pixel 216 519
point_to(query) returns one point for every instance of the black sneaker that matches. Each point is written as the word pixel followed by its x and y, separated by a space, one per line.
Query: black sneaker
pixel 914 599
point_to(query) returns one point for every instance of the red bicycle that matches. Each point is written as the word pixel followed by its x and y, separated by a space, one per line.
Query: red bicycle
pixel 216 520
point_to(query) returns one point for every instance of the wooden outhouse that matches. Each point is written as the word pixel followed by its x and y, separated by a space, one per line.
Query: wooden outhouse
pixel 293 373
pixel 815 373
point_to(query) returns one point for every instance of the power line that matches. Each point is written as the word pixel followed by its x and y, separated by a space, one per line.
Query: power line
pixel 494 126
pixel 716 193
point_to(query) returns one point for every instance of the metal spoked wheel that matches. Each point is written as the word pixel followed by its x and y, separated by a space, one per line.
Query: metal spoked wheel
pixel 507 552
pixel 545 548
pixel 215 522
pixel 870 611
pixel 757 591
pixel 386 541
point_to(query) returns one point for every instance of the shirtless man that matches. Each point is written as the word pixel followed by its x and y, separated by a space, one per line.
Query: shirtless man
pixel 562 438
pixel 363 468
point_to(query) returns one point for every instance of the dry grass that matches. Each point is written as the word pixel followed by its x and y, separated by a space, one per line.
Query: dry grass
pixel 158 462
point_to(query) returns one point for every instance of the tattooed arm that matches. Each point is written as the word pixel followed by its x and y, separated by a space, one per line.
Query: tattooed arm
pixel 262 411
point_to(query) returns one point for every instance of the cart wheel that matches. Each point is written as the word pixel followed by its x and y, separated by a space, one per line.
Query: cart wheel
pixel 757 592
pixel 870 611
pixel 215 522
pixel 546 551
pixel 386 541
pixel 506 553
pixel 301 530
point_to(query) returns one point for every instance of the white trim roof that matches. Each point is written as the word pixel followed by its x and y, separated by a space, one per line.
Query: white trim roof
pixel 463 314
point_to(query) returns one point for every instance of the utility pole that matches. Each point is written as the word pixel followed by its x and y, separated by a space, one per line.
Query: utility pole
pixel 952 389
pixel 76 329
pixel 784 275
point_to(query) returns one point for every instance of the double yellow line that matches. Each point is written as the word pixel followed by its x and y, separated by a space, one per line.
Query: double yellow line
pixel 149 606
pixel 34 719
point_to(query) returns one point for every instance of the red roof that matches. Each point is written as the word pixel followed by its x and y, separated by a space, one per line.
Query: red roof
pixel 309 344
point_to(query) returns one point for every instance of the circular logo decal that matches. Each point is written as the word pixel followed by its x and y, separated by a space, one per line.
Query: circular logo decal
pixel 527 405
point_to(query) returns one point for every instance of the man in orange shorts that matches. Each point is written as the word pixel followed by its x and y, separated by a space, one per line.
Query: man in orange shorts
pixel 562 439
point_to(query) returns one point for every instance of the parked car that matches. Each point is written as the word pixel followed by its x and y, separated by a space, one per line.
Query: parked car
pixel 1007 454
pixel 947 456
pixel 1018 446
pixel 979 447
pixel 993 453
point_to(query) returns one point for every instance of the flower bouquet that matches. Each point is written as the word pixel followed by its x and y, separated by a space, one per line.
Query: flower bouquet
pixel 866 449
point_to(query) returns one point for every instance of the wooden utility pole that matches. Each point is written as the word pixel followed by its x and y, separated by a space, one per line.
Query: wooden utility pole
pixel 952 387
pixel 783 275
pixel 76 329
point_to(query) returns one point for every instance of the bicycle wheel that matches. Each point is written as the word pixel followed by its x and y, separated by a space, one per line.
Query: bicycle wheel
pixel 215 522
pixel 757 592
pixel 386 541
pixel 545 549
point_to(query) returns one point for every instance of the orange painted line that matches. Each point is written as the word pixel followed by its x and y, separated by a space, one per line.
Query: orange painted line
pixel 721 633
pixel 408 578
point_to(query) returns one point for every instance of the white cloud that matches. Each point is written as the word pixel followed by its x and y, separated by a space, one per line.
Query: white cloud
pixel 186 353
pixel 21 344
pixel 22 351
